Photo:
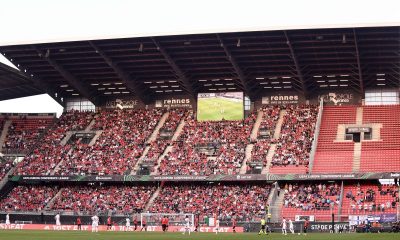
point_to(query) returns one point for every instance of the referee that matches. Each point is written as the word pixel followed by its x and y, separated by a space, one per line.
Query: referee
pixel 262 230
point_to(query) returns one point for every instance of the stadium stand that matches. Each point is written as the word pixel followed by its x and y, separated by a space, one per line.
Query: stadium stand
pixel 50 152
pixel 28 198
pixel 163 139
pixel 206 148
pixel 261 147
pixel 121 143
pixel 382 155
pixel 333 156
pixel 103 199
pixel 24 133
pixel 318 199
pixel 294 144
pixel 370 198
pixel 241 201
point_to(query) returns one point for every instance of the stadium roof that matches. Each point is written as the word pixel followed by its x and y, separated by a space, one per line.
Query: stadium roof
pixel 254 62
pixel 14 84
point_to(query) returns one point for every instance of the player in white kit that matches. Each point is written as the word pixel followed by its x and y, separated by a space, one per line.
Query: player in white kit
pixel 291 228
pixel 284 226
pixel 128 223
pixel 57 218
pixel 8 219
pixel 95 223
pixel 216 226
pixel 187 225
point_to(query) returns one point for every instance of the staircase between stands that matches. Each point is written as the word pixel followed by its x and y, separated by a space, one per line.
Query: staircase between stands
pixel 272 148
pixel 4 133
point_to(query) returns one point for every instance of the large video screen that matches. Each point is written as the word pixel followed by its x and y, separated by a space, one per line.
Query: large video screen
pixel 220 106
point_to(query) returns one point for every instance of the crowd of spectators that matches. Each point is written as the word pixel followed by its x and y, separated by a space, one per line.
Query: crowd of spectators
pixel 297 133
pixel 24 133
pixel 28 198
pixel 157 147
pixel 104 199
pixel 226 140
pixel 242 201
pixel 120 145
pixel 262 143
pixel 309 197
pixel 372 198
pixel 50 152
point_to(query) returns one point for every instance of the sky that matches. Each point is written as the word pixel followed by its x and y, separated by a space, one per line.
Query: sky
pixel 27 21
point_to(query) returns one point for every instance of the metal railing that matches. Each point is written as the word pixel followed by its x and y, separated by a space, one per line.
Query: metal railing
pixel 316 135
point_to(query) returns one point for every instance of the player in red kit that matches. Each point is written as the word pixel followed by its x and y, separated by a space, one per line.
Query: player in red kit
pixel 108 223
pixel 144 225
pixel 79 223
pixel 164 223
pixel 135 223
pixel 234 225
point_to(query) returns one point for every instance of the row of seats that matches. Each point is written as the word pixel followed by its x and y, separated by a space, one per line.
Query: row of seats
pixel 332 156
pixel 383 155
pixel 24 133
pixel 318 199
pixel 370 198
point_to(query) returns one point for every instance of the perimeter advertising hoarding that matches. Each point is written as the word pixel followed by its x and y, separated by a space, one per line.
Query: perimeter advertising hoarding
pixel 209 178
pixel 48 227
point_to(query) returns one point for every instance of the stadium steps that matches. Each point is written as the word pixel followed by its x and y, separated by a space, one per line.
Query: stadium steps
pixel 249 149
pixel 154 135
pixel 67 137
pixel 4 133
pixel 256 126
pixel 94 139
pixel 151 200
pixel 57 168
pixel 136 167
pixel 166 151
pixel 178 130
pixel 51 202
pixel 359 115
pixel 277 134
pixel 270 154
pixel 278 126
pixel 5 179
pixel 276 207
pixel 357 157
pixel 89 127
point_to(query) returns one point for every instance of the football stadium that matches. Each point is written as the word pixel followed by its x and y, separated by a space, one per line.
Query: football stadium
pixel 283 133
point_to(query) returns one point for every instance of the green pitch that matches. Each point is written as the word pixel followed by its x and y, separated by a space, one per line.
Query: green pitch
pixel 64 235
pixel 215 109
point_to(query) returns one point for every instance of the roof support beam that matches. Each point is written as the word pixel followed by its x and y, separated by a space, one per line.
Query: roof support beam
pixel 83 90
pixel 296 64
pixel 358 63
pixel 127 80
pixel 237 69
pixel 181 75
